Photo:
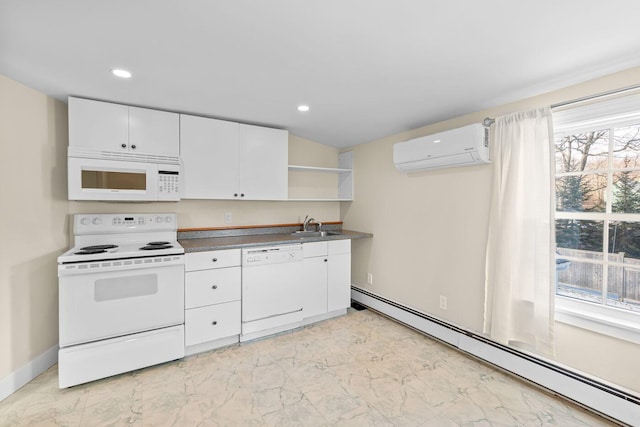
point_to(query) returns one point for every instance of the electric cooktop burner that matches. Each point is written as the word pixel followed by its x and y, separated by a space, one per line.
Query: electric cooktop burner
pixel 151 246
pixel 95 249
pixel 90 251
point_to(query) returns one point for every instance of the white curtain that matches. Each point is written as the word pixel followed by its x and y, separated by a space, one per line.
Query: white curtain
pixel 520 260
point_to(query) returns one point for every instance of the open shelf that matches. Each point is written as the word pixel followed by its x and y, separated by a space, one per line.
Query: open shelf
pixel 317 169
pixel 330 189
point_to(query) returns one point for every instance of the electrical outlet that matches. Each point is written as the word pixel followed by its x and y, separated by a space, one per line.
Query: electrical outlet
pixel 370 278
pixel 227 217
pixel 443 302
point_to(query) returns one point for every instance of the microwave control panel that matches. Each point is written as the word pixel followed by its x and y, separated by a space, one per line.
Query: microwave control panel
pixel 168 185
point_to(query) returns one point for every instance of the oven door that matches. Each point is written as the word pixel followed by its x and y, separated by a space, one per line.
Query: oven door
pixel 99 179
pixel 107 304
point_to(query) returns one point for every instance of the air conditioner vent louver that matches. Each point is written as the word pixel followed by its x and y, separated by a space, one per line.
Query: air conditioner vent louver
pixel 463 146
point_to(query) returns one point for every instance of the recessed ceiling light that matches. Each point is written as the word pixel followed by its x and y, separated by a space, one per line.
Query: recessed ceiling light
pixel 303 108
pixel 121 73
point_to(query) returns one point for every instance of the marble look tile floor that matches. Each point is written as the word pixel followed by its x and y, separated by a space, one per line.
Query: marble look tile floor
pixel 360 369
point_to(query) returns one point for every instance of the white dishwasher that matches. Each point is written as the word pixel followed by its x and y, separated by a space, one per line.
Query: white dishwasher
pixel 271 290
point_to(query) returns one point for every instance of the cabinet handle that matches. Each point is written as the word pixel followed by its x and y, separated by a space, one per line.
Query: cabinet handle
pixel 235 194
pixel 124 145
pixel 214 287
pixel 215 260
pixel 242 195
pixel 325 260
pixel 133 146
pixel 214 323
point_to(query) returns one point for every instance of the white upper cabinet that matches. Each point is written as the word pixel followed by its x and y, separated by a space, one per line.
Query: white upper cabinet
pixel 154 132
pixel 227 160
pixel 98 125
pixel 209 153
pixel 105 126
pixel 264 155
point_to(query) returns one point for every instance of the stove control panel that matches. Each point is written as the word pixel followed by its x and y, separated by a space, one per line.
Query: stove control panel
pixel 123 223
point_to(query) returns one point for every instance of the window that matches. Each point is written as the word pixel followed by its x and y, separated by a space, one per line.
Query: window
pixel 597 221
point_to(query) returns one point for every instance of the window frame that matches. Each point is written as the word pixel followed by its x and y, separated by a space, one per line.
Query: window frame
pixel 604 319
pixel 598 316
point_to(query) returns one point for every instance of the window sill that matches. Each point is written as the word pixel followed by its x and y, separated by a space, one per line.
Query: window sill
pixel 598 318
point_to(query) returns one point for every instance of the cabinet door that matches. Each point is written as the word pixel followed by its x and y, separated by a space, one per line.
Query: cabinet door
pixel 314 286
pixel 339 282
pixel 209 153
pixel 211 322
pixel 212 259
pixel 154 132
pixel 215 286
pixel 263 163
pixel 98 125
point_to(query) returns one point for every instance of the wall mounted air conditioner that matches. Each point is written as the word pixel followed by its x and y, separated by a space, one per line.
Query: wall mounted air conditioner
pixel 465 146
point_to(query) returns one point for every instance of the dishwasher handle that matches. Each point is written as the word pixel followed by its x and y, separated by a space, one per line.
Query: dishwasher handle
pixel 272 249
pixel 271 255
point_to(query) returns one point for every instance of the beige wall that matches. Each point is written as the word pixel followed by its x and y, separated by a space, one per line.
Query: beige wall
pixel 609 358
pixel 33 139
pixel 430 232
pixel 34 216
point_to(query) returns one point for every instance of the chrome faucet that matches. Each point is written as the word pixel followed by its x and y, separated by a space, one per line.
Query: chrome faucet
pixel 306 223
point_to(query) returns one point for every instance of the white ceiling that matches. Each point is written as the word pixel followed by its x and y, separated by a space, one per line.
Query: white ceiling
pixel 367 68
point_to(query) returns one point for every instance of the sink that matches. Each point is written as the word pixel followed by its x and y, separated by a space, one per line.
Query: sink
pixel 303 234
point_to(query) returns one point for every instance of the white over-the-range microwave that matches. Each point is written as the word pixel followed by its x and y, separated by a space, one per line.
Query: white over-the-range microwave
pixel 103 175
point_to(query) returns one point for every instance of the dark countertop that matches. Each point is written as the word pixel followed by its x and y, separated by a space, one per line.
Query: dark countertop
pixel 199 244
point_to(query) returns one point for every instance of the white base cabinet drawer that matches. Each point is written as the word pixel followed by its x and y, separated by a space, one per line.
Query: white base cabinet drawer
pixel 212 259
pixel 314 249
pixel 342 246
pixel 216 286
pixel 212 322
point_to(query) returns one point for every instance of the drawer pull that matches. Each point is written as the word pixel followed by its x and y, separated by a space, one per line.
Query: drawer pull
pixel 214 287
pixel 214 323
pixel 215 260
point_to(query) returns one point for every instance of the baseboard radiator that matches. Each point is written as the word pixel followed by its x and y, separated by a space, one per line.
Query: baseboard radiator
pixel 585 391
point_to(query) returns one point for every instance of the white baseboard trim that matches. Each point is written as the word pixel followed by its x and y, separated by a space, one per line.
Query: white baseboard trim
pixel 15 380
pixel 603 398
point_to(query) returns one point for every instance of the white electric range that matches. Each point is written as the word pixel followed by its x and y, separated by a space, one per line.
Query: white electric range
pixel 121 296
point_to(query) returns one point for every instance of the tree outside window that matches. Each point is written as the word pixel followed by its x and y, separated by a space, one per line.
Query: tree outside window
pixel 598 215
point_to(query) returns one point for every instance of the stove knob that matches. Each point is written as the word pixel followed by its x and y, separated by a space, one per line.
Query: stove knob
pixel 167 219
pixel 97 221
pixel 158 220
pixel 85 221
